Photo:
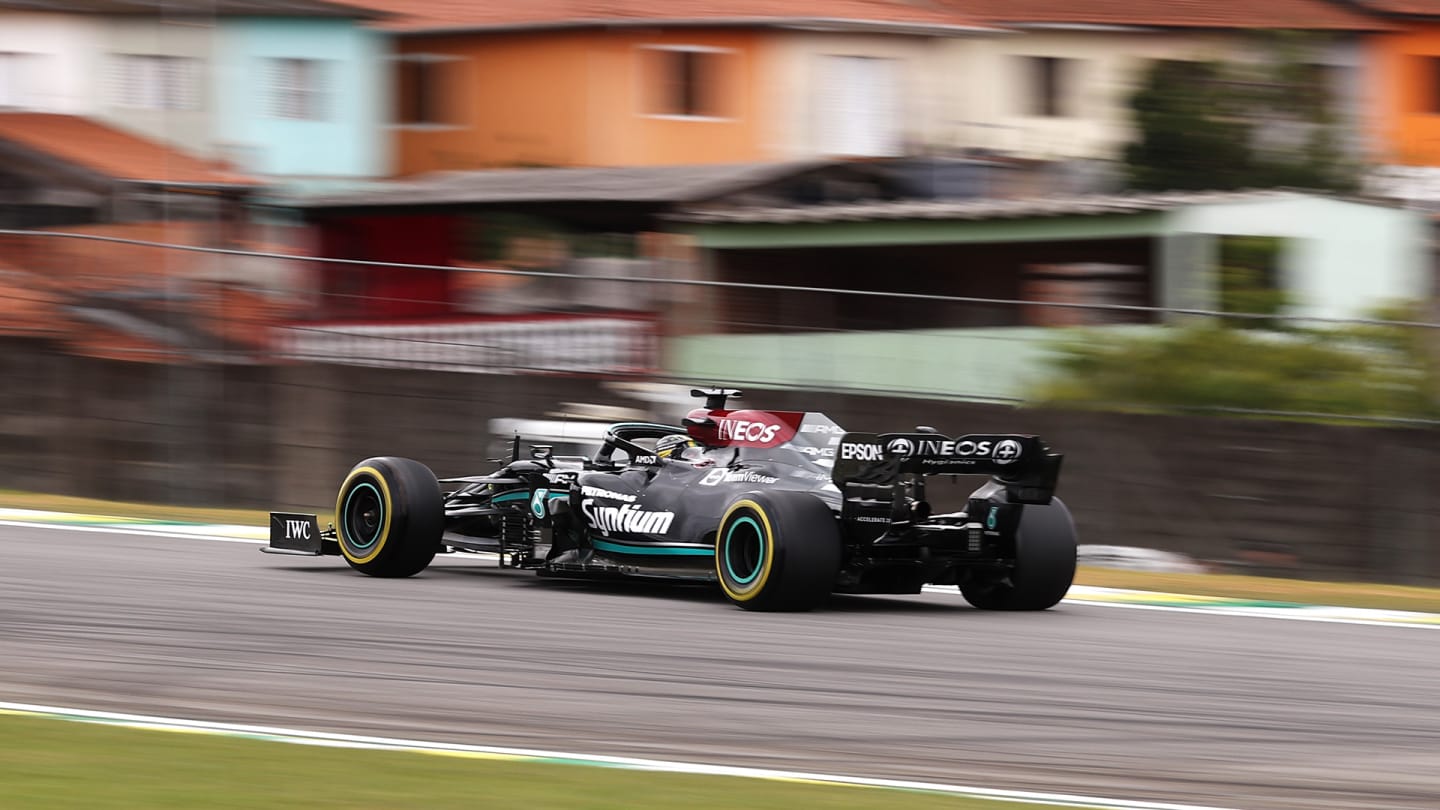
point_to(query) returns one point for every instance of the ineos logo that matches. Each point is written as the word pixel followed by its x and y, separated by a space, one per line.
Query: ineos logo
pixel 297 530
pixel 1007 451
pixel 900 447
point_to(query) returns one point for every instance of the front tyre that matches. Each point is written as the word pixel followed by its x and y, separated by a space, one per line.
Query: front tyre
pixel 389 517
pixel 1045 551
pixel 777 551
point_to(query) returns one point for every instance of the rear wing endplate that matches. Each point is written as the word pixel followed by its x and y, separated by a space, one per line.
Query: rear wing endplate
pixel 1023 464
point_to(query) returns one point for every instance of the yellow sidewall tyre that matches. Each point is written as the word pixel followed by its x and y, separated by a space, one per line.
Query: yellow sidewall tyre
pixel 389 517
pixel 777 551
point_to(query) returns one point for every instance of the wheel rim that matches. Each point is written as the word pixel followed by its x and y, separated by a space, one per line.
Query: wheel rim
pixel 364 517
pixel 744 551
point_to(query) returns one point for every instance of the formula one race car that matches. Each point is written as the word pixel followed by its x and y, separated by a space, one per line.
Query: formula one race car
pixel 780 508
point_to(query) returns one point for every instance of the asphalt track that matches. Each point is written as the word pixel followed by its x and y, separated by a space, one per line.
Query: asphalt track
pixel 1162 706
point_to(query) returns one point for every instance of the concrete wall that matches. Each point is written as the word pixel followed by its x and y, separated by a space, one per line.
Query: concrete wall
pixel 1318 501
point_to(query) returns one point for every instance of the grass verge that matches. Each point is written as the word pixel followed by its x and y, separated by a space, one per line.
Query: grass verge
pixel 1340 594
pixel 58 765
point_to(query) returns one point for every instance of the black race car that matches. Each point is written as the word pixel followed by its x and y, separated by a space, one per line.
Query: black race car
pixel 780 508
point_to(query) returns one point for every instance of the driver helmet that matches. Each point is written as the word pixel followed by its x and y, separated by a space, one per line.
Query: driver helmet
pixel 680 447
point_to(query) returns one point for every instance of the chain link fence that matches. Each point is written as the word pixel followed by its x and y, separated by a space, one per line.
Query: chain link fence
pixel 157 371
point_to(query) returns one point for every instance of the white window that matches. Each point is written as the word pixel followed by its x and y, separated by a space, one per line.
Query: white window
pixel 14 78
pixel 297 89
pixel 859 107
pixel 156 82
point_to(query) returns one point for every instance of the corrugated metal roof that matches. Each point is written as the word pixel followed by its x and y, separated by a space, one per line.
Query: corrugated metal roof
pixel 978 209
pixel 633 184
pixel 1402 8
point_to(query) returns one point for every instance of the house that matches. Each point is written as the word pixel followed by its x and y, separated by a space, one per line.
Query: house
pixel 554 83
pixel 292 88
pixel 1059 87
pixel 958 299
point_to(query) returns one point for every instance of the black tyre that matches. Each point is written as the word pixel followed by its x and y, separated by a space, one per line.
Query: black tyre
pixel 389 517
pixel 1044 563
pixel 777 551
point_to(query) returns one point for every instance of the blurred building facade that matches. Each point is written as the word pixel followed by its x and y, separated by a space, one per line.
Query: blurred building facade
pixel 276 89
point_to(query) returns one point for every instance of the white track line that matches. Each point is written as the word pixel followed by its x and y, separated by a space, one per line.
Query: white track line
pixel 300 737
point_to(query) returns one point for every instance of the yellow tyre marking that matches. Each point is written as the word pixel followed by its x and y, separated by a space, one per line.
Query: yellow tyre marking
pixel 389 513
pixel 756 587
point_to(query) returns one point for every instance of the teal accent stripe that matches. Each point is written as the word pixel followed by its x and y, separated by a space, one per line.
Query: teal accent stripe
pixel 652 550
pixel 512 496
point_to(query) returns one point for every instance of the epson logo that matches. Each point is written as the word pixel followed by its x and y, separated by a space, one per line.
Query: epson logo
pixel 628 518
pixel 861 452
pixel 741 430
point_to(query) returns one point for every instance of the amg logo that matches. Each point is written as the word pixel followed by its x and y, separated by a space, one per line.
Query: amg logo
pixel 741 430
pixel 597 492
pixel 861 452
pixel 811 427
pixel 297 530
pixel 628 518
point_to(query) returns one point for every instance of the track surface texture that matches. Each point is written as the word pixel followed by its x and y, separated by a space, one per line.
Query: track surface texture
pixel 1242 712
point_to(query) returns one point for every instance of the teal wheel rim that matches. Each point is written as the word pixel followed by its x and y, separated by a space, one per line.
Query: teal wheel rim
pixel 364 517
pixel 744 550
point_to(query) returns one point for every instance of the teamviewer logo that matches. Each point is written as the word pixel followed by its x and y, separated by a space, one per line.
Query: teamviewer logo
pixel 1006 451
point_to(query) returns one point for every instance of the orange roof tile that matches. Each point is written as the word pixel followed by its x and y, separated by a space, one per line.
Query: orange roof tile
pixel 1300 15
pixel 111 152
pixel 468 15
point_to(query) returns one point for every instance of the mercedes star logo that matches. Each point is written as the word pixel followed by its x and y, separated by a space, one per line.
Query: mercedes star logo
pixel 1007 451
pixel 900 447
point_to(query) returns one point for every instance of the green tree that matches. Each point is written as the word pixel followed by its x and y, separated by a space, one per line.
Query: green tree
pixel 1380 370
pixel 1228 125
pixel 1191 136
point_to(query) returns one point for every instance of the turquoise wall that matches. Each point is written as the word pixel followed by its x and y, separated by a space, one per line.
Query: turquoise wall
pixel 352 139
pixel 975 364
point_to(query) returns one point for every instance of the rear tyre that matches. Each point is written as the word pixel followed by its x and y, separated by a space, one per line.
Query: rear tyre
pixel 777 551
pixel 389 517
pixel 1045 546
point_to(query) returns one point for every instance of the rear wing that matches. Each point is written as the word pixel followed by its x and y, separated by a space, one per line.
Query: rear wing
pixel 1024 465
